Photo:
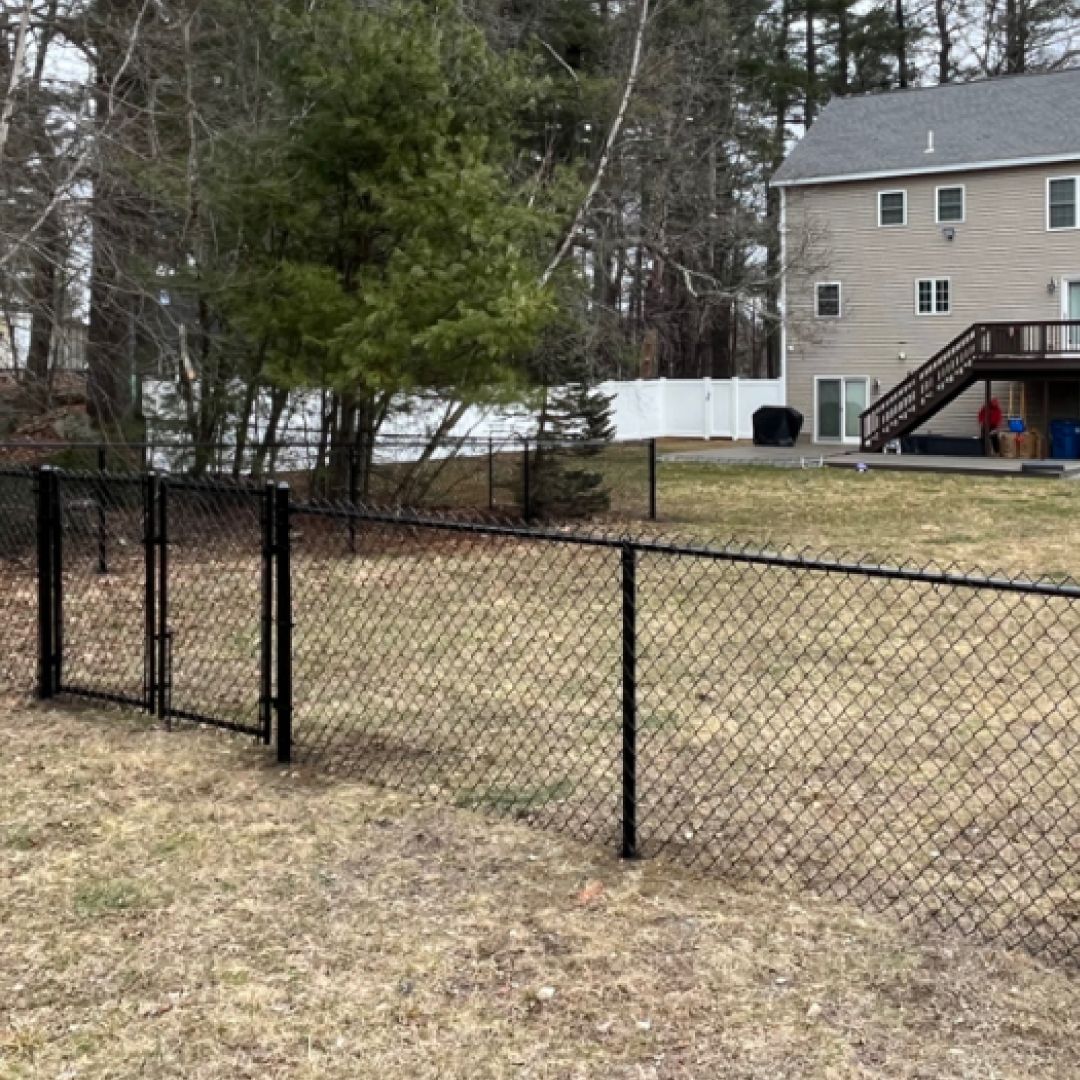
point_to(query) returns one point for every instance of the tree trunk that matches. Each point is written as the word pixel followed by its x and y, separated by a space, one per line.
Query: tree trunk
pixel 941 18
pixel 109 340
pixel 1015 37
pixel 843 47
pixel 810 109
pixel 773 246
pixel 278 399
pixel 43 305
pixel 901 44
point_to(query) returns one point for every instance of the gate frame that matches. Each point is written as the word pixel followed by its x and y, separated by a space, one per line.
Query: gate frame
pixel 158 636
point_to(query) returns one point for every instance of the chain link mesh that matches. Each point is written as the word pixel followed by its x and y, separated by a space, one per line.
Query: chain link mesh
pixel 560 478
pixel 103 630
pixel 473 667
pixel 214 607
pixel 18 581
pixel 906 745
pixel 903 739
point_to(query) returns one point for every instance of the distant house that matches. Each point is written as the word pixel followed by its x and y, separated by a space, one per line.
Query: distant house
pixel 932 244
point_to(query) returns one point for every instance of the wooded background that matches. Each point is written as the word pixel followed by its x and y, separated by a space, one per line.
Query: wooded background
pixel 477 197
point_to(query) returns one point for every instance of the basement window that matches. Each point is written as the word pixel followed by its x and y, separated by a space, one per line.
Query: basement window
pixel 892 208
pixel 827 300
pixel 1061 200
pixel 933 296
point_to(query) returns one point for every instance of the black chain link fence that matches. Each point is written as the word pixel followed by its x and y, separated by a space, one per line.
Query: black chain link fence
pixel 905 739
pixel 18 581
pixel 508 476
pixel 101 583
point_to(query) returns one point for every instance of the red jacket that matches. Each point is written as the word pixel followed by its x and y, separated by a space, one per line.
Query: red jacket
pixel 995 417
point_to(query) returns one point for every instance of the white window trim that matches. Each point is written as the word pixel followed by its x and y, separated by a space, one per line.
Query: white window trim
pixel 1076 203
pixel 839 299
pixel 935 313
pixel 963 204
pixel 844 440
pixel 892 191
pixel 1074 336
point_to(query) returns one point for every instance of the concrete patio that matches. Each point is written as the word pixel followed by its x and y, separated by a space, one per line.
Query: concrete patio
pixel 807 455
pixel 804 455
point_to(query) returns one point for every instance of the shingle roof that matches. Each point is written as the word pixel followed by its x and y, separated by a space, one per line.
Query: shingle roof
pixel 1004 119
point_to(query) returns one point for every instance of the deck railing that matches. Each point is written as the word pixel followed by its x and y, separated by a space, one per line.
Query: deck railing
pixel 927 389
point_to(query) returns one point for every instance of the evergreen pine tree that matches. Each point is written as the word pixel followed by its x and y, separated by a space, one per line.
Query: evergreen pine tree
pixel 576 424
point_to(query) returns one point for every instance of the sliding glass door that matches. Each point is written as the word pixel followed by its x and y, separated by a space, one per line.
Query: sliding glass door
pixel 839 404
pixel 1072 312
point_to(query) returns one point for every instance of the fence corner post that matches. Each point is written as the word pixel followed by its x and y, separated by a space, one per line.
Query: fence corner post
pixel 284 696
pixel 353 495
pixel 652 479
pixel 629 846
pixel 45 479
pixel 266 616
pixel 102 520
pixel 149 496
pixel 526 482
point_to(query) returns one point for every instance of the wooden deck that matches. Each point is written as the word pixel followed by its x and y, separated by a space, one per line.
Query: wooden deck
pixel 966 466
pixel 983 352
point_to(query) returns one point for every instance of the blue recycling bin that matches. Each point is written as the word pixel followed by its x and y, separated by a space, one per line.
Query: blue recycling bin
pixel 1065 439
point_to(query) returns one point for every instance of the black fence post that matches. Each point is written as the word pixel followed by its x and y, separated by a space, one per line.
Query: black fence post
pixel 44 479
pixel 102 488
pixel 526 484
pixel 164 675
pixel 266 629
pixel 652 479
pixel 491 474
pixel 56 514
pixel 352 498
pixel 283 545
pixel 150 680
pixel 629 702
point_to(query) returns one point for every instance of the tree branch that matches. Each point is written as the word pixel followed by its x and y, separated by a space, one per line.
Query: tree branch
pixel 609 146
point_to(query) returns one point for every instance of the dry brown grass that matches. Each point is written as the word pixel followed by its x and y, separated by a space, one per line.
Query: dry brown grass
pixel 1021 526
pixel 172 907
pixel 910 748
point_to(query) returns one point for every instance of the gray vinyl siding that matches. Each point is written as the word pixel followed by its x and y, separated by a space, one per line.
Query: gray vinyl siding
pixel 999 266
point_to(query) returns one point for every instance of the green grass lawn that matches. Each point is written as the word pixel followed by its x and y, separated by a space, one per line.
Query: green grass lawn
pixel 1019 526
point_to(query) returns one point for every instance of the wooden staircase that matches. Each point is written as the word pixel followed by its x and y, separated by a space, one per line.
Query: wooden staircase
pixel 999 350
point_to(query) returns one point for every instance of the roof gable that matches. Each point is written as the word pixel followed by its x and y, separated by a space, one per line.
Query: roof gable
pixel 1010 119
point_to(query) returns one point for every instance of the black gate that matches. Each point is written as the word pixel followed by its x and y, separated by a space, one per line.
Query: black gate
pixel 158 593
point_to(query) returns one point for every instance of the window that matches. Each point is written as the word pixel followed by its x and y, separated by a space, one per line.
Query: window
pixel 950 204
pixel 933 296
pixel 1061 212
pixel 892 208
pixel 827 300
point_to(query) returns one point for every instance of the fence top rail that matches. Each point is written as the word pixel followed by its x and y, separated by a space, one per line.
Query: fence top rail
pixel 215 485
pixel 284 444
pixel 672 547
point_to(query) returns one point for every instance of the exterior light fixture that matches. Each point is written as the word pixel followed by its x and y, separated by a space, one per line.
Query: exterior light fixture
pixel 1051 287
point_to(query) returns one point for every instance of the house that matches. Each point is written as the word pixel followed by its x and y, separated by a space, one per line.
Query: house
pixel 931 246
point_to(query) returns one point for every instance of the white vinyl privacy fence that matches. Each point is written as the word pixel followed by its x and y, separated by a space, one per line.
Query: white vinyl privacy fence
pixel 689 408
pixel 642 409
